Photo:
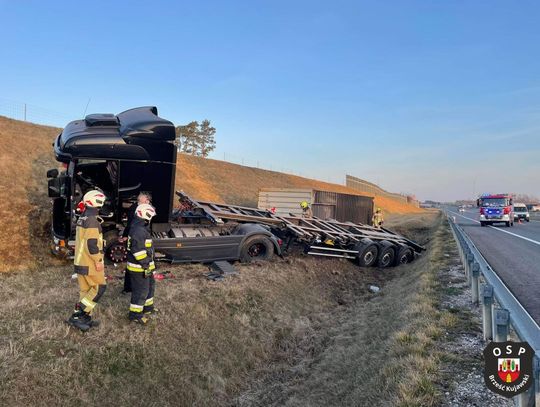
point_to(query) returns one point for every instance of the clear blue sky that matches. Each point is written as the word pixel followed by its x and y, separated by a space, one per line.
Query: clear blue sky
pixel 437 98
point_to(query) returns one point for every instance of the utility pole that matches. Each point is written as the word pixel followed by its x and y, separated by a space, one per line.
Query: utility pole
pixel 25 112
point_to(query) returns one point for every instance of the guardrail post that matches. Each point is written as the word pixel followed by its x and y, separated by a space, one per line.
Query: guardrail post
pixel 528 398
pixel 500 325
pixel 536 374
pixel 487 314
pixel 470 260
pixel 475 273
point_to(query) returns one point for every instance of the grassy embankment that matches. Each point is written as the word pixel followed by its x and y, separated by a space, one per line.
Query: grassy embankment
pixel 293 331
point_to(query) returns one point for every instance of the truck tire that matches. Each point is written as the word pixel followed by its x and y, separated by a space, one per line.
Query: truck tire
pixel 387 254
pixel 367 252
pixel 507 224
pixel 483 223
pixel 256 248
pixel 404 255
pixel 115 251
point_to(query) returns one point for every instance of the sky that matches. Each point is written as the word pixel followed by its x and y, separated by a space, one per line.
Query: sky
pixel 436 98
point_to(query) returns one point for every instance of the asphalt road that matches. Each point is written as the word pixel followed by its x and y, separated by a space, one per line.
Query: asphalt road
pixel 512 252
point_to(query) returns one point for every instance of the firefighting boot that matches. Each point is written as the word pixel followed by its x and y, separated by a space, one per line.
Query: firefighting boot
pixel 78 320
pixel 139 319
pixel 150 310
pixel 89 321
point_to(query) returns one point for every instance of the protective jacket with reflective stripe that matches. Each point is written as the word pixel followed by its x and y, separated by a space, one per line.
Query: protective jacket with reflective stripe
pixel 88 243
pixel 140 254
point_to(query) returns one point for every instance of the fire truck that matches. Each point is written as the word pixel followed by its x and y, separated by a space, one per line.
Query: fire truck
pixel 496 208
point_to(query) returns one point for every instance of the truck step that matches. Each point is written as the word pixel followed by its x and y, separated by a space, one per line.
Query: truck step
pixel 220 269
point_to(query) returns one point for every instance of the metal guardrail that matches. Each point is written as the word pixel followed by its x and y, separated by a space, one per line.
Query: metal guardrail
pixel 486 287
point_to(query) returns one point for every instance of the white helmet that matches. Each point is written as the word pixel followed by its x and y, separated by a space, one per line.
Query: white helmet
pixel 94 199
pixel 145 211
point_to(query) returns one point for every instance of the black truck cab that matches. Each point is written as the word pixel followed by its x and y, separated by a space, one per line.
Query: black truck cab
pixel 123 155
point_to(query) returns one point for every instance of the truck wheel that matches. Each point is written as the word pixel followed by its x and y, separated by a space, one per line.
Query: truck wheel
pixel 256 248
pixel 404 255
pixel 507 224
pixel 367 252
pixel 115 251
pixel 482 223
pixel 387 254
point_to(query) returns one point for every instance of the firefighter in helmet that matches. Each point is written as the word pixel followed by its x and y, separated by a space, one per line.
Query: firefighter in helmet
pixel 140 265
pixel 306 209
pixel 88 261
pixel 377 219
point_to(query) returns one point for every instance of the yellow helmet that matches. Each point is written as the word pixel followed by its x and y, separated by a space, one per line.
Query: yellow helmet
pixel 304 205
pixel 378 209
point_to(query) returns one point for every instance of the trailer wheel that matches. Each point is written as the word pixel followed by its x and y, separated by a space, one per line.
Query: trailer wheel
pixel 256 248
pixel 115 251
pixel 387 254
pixel 367 252
pixel 404 255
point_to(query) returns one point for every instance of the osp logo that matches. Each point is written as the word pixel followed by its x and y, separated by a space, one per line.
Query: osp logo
pixel 509 367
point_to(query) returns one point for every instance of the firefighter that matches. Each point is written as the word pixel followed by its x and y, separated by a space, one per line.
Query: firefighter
pixel 88 262
pixel 306 210
pixel 377 219
pixel 140 265
pixel 142 198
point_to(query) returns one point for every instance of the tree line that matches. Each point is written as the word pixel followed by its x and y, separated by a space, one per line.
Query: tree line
pixel 196 138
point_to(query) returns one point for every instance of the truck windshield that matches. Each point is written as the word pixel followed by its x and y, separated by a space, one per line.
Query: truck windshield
pixel 494 202
pixel 520 209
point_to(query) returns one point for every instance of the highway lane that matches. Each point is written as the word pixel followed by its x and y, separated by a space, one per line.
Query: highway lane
pixel 513 253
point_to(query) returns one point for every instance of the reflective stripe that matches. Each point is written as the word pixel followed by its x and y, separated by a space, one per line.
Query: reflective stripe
pixel 134 265
pixel 149 301
pixel 136 308
pixel 139 253
pixel 148 243
pixel 141 256
pixel 90 304
pixel 151 266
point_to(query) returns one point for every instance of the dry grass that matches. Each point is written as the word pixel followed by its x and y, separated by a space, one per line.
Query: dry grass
pixel 26 156
pixel 213 343
pixel 201 349
pixel 380 352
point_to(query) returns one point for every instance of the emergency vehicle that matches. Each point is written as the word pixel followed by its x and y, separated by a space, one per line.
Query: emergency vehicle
pixel 496 208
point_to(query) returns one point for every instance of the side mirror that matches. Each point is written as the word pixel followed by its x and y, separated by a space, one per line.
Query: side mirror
pixel 54 188
pixel 478 203
pixel 511 201
pixel 52 173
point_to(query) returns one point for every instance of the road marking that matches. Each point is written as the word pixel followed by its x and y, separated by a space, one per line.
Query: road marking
pixel 500 230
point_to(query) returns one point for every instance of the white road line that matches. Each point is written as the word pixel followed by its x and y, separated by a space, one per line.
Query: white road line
pixel 500 230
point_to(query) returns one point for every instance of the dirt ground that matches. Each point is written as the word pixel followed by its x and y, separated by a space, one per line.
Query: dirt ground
pixel 294 331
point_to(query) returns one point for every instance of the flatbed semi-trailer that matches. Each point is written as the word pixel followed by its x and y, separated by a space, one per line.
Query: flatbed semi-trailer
pixel 135 151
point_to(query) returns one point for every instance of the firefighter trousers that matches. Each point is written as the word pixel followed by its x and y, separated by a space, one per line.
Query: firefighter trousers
pixel 142 294
pixel 91 289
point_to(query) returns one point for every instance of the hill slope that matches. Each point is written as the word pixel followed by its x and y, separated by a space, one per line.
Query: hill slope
pixel 24 208
pixel 220 181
